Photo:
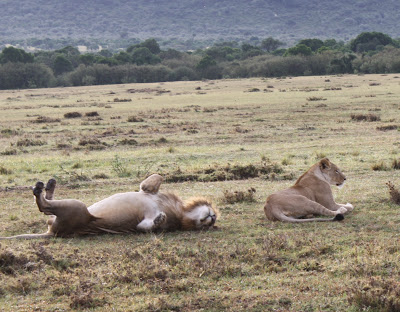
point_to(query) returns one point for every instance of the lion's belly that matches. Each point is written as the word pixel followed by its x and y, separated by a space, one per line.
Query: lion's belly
pixel 122 212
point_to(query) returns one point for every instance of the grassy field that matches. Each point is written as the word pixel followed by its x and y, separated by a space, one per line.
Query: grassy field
pixel 207 138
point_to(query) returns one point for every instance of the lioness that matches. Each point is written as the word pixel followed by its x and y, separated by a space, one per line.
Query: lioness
pixel 310 195
pixel 144 211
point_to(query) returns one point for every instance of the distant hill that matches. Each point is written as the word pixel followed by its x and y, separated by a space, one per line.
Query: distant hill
pixel 286 20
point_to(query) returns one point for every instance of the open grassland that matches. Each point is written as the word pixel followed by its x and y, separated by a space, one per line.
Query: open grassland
pixel 211 138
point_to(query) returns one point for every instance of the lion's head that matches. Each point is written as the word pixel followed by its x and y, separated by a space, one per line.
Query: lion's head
pixel 199 214
pixel 331 173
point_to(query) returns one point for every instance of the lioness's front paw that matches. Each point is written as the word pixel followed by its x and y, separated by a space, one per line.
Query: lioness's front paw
pixel 160 220
pixel 341 210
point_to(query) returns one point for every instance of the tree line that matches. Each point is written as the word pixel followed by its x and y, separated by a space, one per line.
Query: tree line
pixel 369 52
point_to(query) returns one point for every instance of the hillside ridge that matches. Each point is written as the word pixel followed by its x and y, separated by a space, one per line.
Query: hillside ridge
pixel 286 20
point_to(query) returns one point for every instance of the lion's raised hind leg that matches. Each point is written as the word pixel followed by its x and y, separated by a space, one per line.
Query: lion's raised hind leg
pixel 50 187
pixel 70 214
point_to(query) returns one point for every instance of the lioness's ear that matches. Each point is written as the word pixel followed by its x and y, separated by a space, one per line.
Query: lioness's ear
pixel 325 163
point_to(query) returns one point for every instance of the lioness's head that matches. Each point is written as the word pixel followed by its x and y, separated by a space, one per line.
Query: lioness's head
pixel 331 173
pixel 199 214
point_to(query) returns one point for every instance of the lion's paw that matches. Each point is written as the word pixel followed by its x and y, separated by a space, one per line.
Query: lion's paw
pixel 37 190
pixel 160 219
pixel 51 185
pixel 341 210
pixel 349 207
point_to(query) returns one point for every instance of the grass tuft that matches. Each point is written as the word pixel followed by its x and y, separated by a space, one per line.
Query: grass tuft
pixel 239 196
pixel 394 193
pixel 363 117
pixel 377 294
pixel 72 115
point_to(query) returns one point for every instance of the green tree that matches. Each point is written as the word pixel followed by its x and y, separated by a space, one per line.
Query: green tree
pixel 14 55
pixel 313 44
pixel 142 55
pixel 152 45
pixel 206 62
pixel 123 57
pixel 62 65
pixel 300 49
pixel 270 44
pixel 29 75
pixel 87 59
pixel 370 41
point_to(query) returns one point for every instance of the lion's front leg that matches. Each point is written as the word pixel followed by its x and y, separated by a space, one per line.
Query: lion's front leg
pixel 152 224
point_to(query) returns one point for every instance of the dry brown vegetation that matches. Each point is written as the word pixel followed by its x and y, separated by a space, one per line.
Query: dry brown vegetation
pixel 233 146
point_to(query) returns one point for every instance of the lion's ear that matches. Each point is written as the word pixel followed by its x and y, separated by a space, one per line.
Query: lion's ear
pixel 325 163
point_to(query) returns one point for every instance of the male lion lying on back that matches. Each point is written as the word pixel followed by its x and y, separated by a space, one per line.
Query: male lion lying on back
pixel 310 195
pixel 144 211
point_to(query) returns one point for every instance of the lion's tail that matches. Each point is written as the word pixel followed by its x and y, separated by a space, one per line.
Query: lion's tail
pixel 281 216
pixel 29 236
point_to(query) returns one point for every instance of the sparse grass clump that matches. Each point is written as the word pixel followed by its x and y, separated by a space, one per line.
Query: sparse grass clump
pixel 396 164
pixel 380 166
pixel 128 142
pixel 377 294
pixel 5 171
pixel 10 151
pixel 387 128
pixel 316 98
pixel 239 196
pixel 9 132
pixel 29 142
pixel 44 119
pixel 365 117
pixel 83 297
pixel 72 115
pixel 116 100
pixel 11 263
pixel 254 90
pixel 92 114
pixel 394 193
pixel 135 119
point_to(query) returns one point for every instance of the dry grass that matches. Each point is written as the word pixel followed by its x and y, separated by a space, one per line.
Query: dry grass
pixel 225 138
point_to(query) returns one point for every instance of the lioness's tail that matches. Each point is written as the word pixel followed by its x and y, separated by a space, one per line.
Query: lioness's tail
pixel 29 236
pixel 282 217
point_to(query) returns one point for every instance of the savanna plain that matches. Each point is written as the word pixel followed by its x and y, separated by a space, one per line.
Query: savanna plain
pixel 233 141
